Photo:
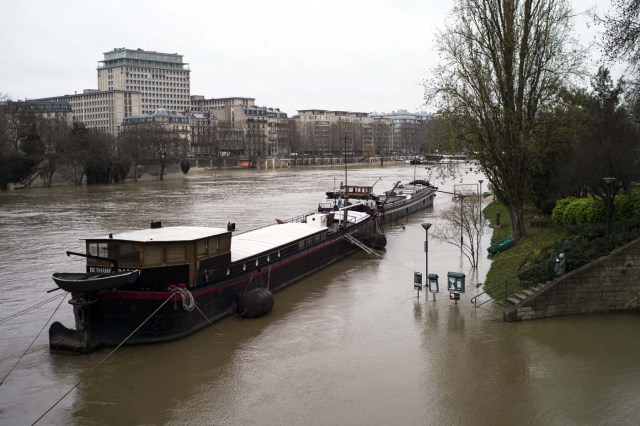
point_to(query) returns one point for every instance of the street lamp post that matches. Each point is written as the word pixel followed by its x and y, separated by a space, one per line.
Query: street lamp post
pixel 609 182
pixel 480 195
pixel 461 221
pixel 426 227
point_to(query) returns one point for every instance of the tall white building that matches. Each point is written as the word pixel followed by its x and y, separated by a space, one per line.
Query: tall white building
pixel 162 79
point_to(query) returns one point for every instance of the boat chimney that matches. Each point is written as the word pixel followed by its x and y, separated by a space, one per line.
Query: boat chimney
pixel 111 236
pixel 156 224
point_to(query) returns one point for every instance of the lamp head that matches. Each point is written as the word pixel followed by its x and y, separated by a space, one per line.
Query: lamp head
pixel 608 180
pixel 426 226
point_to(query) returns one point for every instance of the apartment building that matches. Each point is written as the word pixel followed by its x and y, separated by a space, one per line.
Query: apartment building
pixel 325 132
pixel 162 79
pixel 39 109
pixel 265 131
pixel 102 110
pixel 204 141
pixel 224 109
pixel 314 131
pixel 174 123
pixel 408 131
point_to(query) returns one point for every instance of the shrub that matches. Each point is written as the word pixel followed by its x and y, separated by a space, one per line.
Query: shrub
pixel 557 215
pixel 576 212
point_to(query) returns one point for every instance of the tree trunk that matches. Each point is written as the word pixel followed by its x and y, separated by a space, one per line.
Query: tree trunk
pixel 49 178
pixel 516 221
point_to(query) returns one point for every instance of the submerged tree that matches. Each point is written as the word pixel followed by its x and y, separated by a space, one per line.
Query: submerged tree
pixel 503 64
pixel 464 227
pixel 55 136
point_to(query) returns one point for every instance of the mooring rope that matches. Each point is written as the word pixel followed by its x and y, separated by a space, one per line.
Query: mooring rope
pixel 208 320
pixel 37 305
pixel 34 340
pixel 188 302
pixel 103 360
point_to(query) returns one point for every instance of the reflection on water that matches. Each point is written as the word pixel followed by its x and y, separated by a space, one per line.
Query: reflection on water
pixel 352 344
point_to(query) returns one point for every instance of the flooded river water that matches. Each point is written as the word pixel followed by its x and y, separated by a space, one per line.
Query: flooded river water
pixel 350 345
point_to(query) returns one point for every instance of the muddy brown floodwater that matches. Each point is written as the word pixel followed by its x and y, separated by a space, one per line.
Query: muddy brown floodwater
pixel 350 345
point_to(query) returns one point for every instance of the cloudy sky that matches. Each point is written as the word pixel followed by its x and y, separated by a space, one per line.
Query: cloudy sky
pixel 342 55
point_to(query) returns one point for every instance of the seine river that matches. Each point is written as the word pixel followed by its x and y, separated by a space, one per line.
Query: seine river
pixel 351 345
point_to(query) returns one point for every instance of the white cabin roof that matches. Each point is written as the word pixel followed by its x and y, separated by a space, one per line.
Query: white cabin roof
pixel 264 239
pixel 168 234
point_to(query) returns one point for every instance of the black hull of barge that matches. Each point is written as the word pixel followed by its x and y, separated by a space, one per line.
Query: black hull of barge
pixel 109 318
pixel 420 202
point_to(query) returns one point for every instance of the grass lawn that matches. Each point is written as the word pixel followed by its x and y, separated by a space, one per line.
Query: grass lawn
pixel 506 265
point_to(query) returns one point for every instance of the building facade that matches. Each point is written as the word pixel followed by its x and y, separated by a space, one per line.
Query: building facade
pixel 40 108
pixel 264 131
pixel 408 131
pixel 204 141
pixel 174 123
pixel 325 132
pixel 162 79
pixel 102 110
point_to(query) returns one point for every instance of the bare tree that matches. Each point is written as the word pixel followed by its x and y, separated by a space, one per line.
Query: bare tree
pixel 55 135
pixel 464 227
pixel 504 63
pixel 133 144
pixel 7 136
pixel 166 147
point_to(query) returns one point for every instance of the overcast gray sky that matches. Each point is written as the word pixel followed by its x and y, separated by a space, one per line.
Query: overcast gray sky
pixel 342 55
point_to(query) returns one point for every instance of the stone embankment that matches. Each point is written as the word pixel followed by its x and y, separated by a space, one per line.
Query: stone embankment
pixel 608 284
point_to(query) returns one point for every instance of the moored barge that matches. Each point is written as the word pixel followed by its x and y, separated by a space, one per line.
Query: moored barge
pixel 164 283
pixel 400 201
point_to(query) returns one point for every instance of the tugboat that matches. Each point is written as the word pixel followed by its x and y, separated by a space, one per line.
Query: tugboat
pixel 164 283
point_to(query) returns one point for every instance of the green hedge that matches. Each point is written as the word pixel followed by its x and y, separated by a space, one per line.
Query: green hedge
pixel 581 211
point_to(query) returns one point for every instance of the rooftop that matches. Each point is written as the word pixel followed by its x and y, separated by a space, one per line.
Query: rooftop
pixel 168 234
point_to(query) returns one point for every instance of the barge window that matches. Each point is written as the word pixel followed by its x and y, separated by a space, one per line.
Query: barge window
pixel 126 252
pixel 99 249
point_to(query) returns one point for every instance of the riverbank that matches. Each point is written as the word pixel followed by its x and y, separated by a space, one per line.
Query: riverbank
pixel 64 176
pixel 506 265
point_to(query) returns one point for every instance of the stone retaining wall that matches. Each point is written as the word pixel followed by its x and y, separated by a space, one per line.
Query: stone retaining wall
pixel 609 284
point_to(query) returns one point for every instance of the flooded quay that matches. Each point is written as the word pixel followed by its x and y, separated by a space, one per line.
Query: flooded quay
pixel 350 345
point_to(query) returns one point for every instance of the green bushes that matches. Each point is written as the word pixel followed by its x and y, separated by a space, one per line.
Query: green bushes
pixel 580 211
pixel 557 214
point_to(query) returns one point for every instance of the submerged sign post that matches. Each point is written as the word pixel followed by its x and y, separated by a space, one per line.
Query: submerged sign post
pixel 433 284
pixel 455 285
pixel 417 281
